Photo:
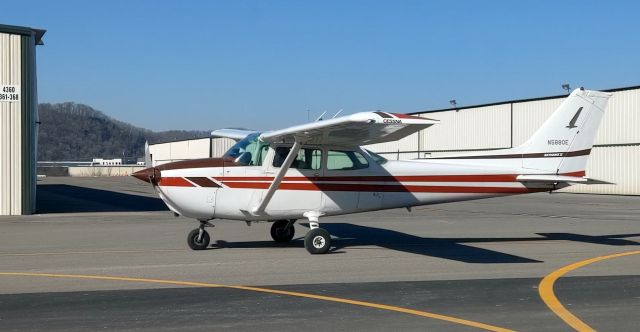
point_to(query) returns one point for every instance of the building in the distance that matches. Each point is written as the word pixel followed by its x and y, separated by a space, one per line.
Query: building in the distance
pixel 207 147
pixel 18 118
pixel 106 162
pixel 614 158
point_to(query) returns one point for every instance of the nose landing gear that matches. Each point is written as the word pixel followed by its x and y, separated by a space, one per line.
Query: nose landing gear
pixel 198 239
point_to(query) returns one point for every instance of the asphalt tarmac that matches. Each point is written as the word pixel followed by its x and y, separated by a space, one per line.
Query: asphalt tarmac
pixel 104 253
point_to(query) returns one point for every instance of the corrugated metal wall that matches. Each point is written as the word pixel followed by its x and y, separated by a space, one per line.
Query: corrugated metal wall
pixel 529 116
pixel 220 145
pixel 190 149
pixel 614 158
pixel 483 128
pixel 621 122
pixel 616 164
pixel 18 132
pixel 11 125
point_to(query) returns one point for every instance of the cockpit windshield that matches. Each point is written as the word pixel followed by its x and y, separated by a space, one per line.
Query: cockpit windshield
pixel 250 151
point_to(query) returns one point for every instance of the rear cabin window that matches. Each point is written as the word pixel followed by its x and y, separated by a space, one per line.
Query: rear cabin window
pixel 346 160
pixel 308 158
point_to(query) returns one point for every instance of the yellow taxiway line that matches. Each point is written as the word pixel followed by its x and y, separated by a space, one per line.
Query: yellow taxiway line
pixel 545 289
pixel 270 291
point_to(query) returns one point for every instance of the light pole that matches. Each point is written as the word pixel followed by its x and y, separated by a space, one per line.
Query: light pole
pixel 453 103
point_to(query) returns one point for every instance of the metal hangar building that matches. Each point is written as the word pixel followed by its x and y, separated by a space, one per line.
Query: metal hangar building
pixel 18 118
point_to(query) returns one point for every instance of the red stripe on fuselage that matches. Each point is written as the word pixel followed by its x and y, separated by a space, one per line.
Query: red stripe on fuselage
pixel 319 183
pixel 400 178
pixel 578 173
pixel 174 182
pixel 381 188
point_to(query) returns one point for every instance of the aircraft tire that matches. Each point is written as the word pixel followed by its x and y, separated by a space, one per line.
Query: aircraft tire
pixel 280 233
pixel 192 240
pixel 317 241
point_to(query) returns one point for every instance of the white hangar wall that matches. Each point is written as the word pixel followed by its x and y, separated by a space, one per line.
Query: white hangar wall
pixel 18 118
pixel 163 153
pixel 614 157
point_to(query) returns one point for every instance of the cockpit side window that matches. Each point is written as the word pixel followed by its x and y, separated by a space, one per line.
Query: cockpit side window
pixel 346 160
pixel 308 158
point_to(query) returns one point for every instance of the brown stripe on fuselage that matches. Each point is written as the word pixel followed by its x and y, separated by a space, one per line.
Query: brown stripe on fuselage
pixel 203 182
pixel 198 163
pixel 406 116
pixel 525 155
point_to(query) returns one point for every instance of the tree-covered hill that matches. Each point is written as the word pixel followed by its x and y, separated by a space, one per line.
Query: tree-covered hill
pixel 76 132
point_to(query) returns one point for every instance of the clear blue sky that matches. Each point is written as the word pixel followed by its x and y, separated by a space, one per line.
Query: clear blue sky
pixel 262 64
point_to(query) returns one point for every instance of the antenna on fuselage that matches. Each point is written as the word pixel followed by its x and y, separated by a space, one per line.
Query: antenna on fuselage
pixel 338 112
pixel 320 117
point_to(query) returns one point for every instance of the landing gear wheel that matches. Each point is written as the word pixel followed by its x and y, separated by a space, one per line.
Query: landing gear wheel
pixel 282 231
pixel 196 242
pixel 317 241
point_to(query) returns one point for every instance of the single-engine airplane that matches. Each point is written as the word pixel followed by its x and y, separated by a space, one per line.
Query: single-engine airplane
pixel 319 169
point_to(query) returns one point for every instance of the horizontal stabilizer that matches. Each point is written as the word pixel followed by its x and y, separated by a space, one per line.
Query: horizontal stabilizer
pixel 552 178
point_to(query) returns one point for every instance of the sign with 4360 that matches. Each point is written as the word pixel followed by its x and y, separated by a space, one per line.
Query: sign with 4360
pixel 9 93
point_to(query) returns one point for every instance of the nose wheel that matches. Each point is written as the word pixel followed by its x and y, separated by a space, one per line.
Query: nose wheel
pixel 198 239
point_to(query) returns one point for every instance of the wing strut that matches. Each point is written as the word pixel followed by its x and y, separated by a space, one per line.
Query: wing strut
pixel 293 153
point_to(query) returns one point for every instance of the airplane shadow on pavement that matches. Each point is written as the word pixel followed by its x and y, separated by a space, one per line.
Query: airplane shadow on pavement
pixel 62 198
pixel 458 249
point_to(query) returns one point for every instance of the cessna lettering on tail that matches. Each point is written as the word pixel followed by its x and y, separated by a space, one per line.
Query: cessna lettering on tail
pixel 319 169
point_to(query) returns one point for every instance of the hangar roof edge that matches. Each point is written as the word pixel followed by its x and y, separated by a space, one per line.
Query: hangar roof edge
pixel 24 31
pixel 513 101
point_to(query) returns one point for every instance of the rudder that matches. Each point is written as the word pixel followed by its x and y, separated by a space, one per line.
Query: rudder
pixel 563 143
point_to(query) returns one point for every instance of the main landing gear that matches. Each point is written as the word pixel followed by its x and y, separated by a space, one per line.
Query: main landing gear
pixel 282 231
pixel 317 240
pixel 198 239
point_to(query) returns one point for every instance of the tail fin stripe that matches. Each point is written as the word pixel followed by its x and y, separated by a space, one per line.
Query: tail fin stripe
pixel 584 152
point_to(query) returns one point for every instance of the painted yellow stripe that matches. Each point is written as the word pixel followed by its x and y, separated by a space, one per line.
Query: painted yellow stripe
pixel 53 253
pixel 545 289
pixel 270 291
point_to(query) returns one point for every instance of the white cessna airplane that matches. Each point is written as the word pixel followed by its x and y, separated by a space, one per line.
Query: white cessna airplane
pixel 319 169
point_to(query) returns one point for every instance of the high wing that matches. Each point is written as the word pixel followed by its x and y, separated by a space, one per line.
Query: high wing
pixel 234 134
pixel 352 130
pixel 355 129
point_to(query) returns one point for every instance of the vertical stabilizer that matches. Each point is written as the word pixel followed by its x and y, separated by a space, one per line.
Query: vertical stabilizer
pixel 563 143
